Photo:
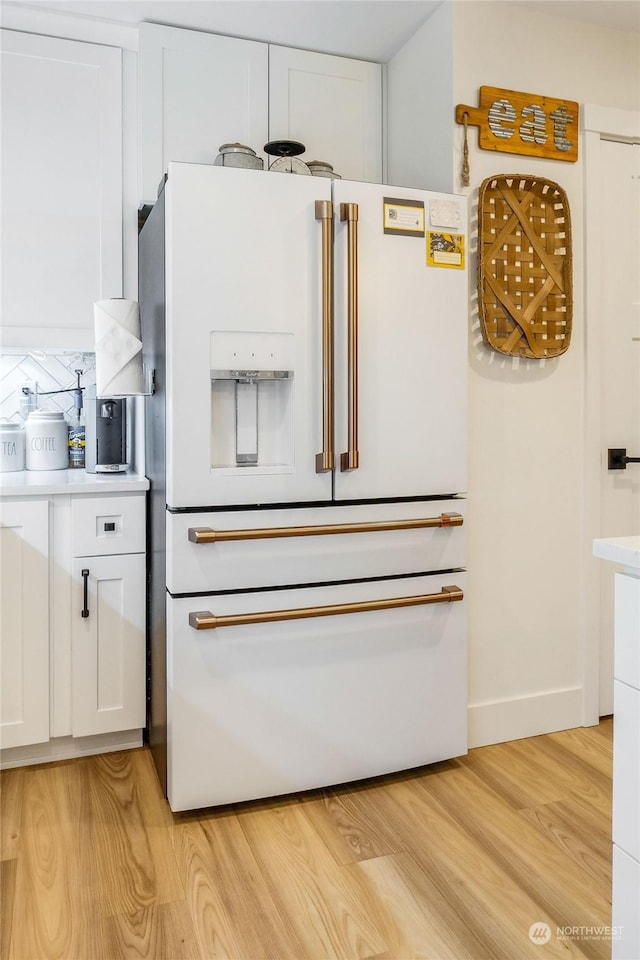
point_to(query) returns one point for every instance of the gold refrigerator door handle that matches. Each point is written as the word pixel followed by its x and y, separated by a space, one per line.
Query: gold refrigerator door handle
pixel 205 620
pixel 324 213
pixel 349 212
pixel 208 535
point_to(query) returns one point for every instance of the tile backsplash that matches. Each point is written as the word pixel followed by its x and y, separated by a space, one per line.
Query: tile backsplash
pixel 42 372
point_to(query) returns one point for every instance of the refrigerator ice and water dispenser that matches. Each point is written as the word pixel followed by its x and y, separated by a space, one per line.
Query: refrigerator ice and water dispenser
pixel 252 399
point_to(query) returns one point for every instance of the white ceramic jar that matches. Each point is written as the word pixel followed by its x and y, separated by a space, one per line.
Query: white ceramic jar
pixel 11 446
pixel 46 441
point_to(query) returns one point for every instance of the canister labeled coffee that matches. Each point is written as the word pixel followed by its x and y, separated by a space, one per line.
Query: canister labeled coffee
pixel 46 441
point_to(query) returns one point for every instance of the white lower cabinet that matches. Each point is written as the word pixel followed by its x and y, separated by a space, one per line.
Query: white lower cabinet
pixel 626 769
pixel 108 603
pixel 624 908
pixel 24 622
pixel 108 644
pixel 72 625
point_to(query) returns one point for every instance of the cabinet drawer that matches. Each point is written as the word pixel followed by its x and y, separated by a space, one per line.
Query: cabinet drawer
pixel 313 686
pixel 108 525
pixel 250 560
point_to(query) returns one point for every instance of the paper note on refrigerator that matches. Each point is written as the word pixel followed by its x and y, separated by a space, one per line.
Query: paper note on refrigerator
pixel 445 249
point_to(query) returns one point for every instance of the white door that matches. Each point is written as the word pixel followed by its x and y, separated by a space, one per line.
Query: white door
pixel 411 349
pixel 619 256
pixel 244 292
pixel 333 105
pixel 24 623
pixel 108 644
pixel 61 188
pixel 197 91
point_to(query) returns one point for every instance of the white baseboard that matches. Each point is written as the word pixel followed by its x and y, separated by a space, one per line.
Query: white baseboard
pixel 66 748
pixel 501 720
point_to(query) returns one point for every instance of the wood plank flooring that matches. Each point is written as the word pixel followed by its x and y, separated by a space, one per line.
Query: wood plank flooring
pixel 456 861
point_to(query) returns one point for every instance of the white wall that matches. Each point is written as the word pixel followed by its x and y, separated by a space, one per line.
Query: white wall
pixel 420 107
pixel 527 445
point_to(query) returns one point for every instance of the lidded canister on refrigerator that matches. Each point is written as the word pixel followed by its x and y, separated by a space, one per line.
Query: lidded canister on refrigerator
pixel 238 155
pixel 46 441
pixel 11 446
pixel 320 168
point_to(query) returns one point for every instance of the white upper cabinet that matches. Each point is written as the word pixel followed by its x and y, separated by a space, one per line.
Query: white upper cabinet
pixel 197 91
pixel 61 187
pixel 200 90
pixel 331 104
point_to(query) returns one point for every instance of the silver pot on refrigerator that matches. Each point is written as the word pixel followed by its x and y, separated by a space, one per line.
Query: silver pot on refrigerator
pixel 238 155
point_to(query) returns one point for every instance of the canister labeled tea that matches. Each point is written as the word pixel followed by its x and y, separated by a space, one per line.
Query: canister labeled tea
pixel 46 441
pixel 11 446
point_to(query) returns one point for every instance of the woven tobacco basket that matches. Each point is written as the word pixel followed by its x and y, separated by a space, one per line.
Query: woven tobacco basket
pixel 524 266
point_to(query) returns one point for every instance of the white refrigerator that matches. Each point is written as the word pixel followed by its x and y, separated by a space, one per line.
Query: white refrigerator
pixel 306 447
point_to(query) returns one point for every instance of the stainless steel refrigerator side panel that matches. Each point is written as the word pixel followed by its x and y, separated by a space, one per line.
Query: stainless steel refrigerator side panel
pixel 152 316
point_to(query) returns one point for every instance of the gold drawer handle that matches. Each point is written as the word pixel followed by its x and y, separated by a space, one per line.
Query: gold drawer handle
pixel 208 535
pixel 205 620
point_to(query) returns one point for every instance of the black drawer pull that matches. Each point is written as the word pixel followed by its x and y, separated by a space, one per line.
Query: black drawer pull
pixel 84 613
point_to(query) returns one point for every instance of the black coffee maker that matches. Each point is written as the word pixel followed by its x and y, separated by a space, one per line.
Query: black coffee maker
pixel 106 434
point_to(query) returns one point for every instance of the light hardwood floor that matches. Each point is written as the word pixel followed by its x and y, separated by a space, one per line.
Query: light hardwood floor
pixel 455 861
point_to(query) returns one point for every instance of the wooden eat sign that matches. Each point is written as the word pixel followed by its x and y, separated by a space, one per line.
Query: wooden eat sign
pixel 524 123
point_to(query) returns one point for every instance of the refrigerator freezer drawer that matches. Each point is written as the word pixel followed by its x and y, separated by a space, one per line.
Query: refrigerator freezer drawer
pixel 248 559
pixel 265 709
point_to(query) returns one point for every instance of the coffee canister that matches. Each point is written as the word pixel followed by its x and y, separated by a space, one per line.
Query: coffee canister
pixel 46 445
pixel 11 446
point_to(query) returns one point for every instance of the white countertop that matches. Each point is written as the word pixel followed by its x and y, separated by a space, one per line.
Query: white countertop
pixel 34 483
pixel 624 550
